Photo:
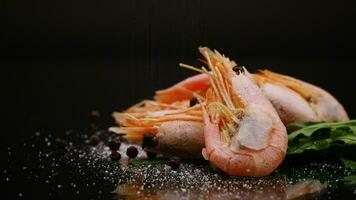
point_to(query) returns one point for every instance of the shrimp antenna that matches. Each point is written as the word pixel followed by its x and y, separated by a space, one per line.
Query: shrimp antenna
pixel 191 67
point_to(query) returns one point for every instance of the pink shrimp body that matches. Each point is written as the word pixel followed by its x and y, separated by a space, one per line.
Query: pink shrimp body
pixel 293 99
pixel 290 105
pixel 298 100
pixel 243 134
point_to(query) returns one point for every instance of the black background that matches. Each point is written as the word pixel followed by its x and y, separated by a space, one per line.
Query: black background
pixel 61 59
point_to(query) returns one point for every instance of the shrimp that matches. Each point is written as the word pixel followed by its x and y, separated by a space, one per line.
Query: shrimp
pixel 177 128
pixel 294 100
pixel 243 133
pixel 298 100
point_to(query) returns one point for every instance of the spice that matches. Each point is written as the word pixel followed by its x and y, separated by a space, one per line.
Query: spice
pixel 174 162
pixel 131 152
pixel 94 140
pixel 95 115
pixel 115 156
pixel 114 145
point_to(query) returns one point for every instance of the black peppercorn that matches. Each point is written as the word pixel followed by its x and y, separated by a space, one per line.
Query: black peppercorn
pixel 95 116
pixel 148 141
pixel 115 156
pixel 131 152
pixel 151 155
pixel 114 145
pixel 193 102
pixel 174 162
pixel 237 69
pixel 94 140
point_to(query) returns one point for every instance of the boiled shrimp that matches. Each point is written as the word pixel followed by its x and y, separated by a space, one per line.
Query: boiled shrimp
pixel 298 100
pixel 294 100
pixel 243 133
pixel 177 128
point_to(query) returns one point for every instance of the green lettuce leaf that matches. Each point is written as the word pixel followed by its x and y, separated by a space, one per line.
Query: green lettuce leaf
pixel 338 138
pixel 350 181
pixel 349 164
pixel 321 136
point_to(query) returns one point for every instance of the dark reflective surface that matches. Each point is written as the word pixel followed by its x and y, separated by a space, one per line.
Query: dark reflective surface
pixel 50 167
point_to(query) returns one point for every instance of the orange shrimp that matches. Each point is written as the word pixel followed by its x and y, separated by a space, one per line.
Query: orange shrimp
pixel 177 128
pixel 298 100
pixel 294 100
pixel 243 134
